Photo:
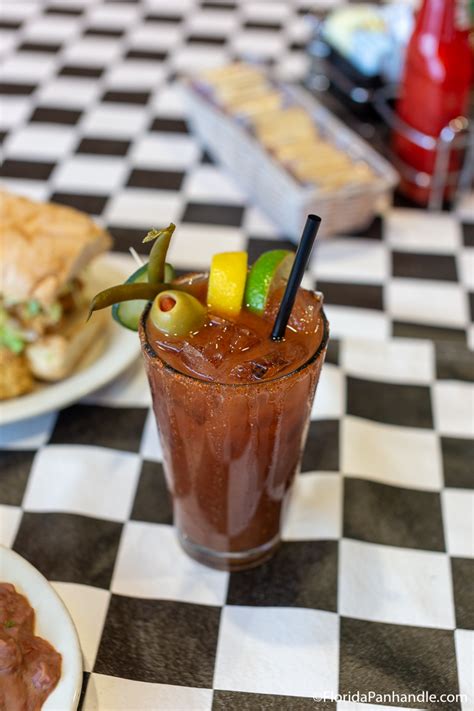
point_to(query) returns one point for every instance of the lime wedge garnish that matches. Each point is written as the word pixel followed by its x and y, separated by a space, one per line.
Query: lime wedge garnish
pixel 128 313
pixel 270 271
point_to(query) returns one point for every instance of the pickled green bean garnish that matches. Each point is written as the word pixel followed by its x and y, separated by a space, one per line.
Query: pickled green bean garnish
pixel 126 292
pixel 156 264
pixel 183 313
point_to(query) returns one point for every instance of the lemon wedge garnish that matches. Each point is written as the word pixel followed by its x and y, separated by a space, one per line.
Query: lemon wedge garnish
pixel 227 283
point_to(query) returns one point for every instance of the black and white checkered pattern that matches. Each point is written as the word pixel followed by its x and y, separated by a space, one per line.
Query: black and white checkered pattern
pixel 372 588
pixel 91 117
pixel 370 591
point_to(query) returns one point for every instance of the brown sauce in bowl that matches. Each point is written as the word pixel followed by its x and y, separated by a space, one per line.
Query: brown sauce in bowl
pixel 30 667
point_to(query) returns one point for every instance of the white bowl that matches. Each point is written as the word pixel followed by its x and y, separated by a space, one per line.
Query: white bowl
pixel 53 623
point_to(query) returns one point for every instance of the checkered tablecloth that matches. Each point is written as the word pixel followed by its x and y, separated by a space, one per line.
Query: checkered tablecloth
pixel 372 588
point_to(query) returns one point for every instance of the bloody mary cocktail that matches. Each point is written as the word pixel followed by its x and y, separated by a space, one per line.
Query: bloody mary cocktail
pixel 233 407
pixel 233 359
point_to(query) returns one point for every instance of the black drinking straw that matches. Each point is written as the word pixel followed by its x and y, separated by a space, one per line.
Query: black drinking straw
pixel 294 280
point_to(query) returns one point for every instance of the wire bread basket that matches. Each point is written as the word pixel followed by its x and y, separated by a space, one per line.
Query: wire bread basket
pixel 269 183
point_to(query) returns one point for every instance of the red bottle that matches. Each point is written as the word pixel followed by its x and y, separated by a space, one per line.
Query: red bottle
pixel 435 85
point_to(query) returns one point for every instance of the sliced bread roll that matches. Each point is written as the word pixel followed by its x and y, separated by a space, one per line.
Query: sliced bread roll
pixel 43 246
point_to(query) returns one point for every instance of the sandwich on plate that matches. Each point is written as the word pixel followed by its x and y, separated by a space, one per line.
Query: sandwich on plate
pixel 45 250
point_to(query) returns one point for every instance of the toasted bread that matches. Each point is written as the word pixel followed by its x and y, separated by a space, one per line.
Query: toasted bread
pixel 43 247
pixel 15 375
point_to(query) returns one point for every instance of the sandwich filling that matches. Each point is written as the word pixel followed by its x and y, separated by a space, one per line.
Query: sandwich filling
pixel 23 322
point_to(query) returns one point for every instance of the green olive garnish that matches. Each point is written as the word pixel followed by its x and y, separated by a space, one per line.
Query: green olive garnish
pixel 177 313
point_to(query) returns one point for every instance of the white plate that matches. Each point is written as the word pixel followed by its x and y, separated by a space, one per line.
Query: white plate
pixel 117 349
pixel 53 624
